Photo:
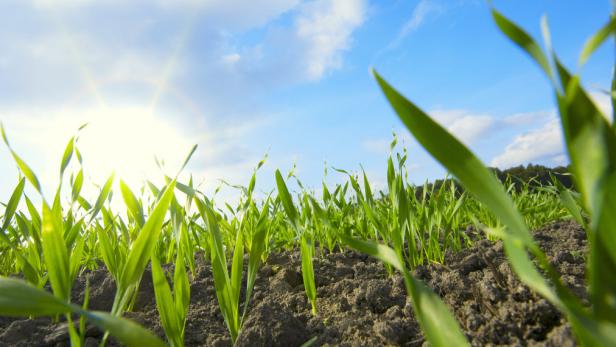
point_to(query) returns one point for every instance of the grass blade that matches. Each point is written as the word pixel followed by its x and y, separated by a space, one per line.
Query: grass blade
pixel 100 201
pixel 524 41
pixel 142 248
pixel 23 167
pixel 19 299
pixel 597 40
pixel 56 254
pixel 165 305
pixel 133 205
pixel 11 206
pixel 125 330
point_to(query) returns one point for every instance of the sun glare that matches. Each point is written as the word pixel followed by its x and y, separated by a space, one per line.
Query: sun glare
pixel 126 140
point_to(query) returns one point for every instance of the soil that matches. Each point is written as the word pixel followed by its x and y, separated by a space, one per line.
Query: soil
pixel 358 303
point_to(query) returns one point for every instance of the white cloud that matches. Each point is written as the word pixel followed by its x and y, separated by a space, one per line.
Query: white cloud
pixel 231 58
pixel 421 12
pixel 544 143
pixel 61 56
pixel 326 26
pixel 528 118
pixel 376 146
pixel 467 126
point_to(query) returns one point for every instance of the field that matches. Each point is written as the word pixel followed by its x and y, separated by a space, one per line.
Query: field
pixel 453 263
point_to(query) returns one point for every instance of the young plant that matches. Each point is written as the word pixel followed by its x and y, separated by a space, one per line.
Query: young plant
pixel 591 145
pixel 227 284
pixel 172 307
pixel 20 299
pixel 306 246
pixel 250 232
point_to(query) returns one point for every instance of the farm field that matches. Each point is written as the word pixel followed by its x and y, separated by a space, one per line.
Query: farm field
pixel 480 257
pixel 359 303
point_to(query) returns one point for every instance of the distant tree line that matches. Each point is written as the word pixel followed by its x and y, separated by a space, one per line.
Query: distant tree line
pixel 530 175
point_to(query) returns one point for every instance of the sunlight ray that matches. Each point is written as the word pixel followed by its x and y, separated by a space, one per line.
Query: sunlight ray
pixel 168 70
pixel 77 56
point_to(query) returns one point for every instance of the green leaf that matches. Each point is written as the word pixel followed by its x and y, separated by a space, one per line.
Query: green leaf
pixel 285 198
pixel 192 151
pixel 77 184
pixel 524 41
pixel 308 273
pixel 56 254
pixel 11 207
pixel 597 40
pixel 108 250
pixel 237 268
pixel 181 287
pixel 567 200
pixel 457 159
pixel 478 180
pixel 133 205
pixel 602 258
pixel 142 248
pixel 256 251
pixel 100 201
pixel 23 167
pixel 222 282
pixel 125 330
pixel 66 158
pixel 20 299
pixel 165 304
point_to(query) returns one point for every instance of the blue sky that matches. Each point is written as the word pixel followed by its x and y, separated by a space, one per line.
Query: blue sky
pixel 288 78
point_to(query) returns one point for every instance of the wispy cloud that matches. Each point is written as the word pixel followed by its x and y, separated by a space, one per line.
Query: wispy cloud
pixel 540 144
pixel 465 125
pixel 543 142
pixel 64 64
pixel 469 127
pixel 423 11
pixel 326 26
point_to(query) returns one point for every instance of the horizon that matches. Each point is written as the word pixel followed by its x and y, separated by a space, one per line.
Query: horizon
pixel 284 79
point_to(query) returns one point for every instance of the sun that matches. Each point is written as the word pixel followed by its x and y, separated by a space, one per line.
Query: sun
pixel 126 140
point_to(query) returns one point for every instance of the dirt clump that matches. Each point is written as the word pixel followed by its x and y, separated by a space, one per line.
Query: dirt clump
pixel 358 303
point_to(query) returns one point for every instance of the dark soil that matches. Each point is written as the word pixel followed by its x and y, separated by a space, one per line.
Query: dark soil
pixel 359 305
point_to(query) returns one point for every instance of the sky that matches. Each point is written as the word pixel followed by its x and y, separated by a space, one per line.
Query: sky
pixel 284 78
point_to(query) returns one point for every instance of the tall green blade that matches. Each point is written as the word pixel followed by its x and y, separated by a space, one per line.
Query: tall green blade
pixel 56 254
pixel 285 198
pixel 524 41
pixel 308 273
pixel 77 185
pixel 165 305
pixel 23 167
pixel 458 160
pixel 133 205
pixel 181 288
pixel 237 268
pixel 597 40
pixel 19 299
pixel 11 206
pixel 100 201
pixel 142 248
pixel 66 158
pixel 125 330
pixel 477 179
